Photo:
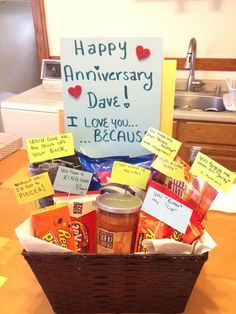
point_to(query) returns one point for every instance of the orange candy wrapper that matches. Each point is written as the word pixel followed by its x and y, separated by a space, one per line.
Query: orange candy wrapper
pixel 53 224
pixel 150 228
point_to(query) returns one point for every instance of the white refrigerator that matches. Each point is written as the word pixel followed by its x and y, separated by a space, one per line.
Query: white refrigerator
pixel 33 113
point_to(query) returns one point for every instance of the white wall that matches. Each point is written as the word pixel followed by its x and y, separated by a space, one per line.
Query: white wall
pixel 19 69
pixel 211 22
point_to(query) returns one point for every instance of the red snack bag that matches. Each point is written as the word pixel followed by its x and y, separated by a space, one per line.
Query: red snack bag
pixel 53 224
pixel 199 194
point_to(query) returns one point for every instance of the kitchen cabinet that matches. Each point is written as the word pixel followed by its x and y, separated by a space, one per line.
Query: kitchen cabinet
pixel 217 140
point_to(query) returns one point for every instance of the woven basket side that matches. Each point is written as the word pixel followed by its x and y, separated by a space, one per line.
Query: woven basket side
pixel 123 283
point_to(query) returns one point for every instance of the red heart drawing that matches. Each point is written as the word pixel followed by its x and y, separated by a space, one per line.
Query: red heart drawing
pixel 75 91
pixel 142 53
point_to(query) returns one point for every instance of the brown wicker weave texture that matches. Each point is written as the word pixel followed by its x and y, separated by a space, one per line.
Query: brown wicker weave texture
pixel 92 283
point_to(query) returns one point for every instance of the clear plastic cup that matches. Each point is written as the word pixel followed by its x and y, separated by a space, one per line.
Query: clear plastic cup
pixel 229 99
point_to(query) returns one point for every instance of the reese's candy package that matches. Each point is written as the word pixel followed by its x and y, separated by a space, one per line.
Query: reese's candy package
pixel 53 224
pixel 150 227
pixel 82 211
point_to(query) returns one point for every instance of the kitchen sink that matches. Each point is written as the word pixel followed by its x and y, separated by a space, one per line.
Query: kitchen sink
pixel 198 101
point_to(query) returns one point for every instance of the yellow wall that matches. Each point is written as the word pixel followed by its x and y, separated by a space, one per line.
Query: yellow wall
pixel 212 22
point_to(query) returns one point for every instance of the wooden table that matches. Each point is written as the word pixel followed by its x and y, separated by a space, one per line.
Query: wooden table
pixel 214 292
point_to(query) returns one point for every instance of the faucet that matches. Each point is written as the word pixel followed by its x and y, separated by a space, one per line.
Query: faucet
pixel 190 65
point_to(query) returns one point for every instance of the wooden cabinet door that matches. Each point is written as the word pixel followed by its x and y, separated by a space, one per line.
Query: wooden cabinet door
pixel 217 140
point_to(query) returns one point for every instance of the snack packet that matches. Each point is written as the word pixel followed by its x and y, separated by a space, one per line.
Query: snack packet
pixel 194 190
pixel 52 167
pixel 176 186
pixel 53 224
pixel 102 167
pixel 199 194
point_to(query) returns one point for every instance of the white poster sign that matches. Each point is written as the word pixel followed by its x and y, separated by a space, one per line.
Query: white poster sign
pixel 112 92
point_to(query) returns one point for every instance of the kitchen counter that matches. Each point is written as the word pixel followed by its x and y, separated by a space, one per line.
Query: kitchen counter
pixel 213 293
pixel 199 115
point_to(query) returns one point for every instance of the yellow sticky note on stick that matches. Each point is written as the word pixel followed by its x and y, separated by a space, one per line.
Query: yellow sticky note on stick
pixel 3 241
pixel 32 188
pixel 2 280
pixel 168 96
pixel 169 167
pixel 50 147
pixel 160 143
pixel 125 173
pixel 212 172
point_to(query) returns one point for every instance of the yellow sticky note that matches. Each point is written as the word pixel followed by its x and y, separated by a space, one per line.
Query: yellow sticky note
pixel 169 167
pixel 160 143
pixel 2 280
pixel 125 173
pixel 29 189
pixel 50 147
pixel 3 242
pixel 168 96
pixel 212 172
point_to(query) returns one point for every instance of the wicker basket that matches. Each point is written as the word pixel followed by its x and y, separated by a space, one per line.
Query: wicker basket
pixel 127 283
